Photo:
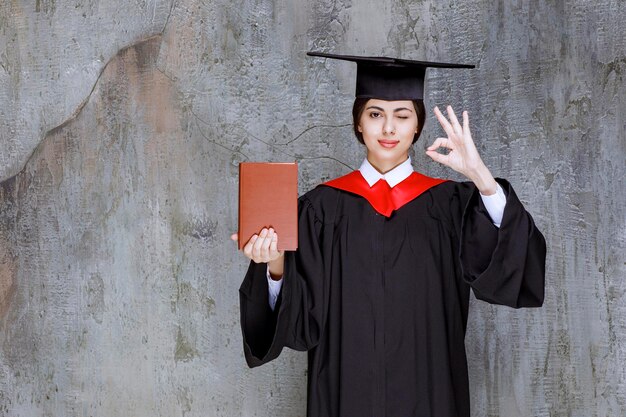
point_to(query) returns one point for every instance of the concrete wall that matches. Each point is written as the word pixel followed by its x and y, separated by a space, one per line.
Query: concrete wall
pixel 121 127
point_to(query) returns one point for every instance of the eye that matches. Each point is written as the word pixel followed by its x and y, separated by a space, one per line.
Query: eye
pixel 375 114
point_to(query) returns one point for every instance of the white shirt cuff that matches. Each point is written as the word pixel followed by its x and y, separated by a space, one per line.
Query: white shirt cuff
pixel 273 287
pixel 495 205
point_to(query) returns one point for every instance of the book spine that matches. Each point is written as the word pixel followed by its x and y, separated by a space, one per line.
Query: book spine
pixel 239 228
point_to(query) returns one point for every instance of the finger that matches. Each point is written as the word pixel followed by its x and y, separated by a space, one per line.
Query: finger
pixel 444 122
pixel 247 250
pixel 455 122
pixel 265 248
pixel 274 245
pixel 441 143
pixel 234 237
pixel 438 157
pixel 466 127
pixel 256 249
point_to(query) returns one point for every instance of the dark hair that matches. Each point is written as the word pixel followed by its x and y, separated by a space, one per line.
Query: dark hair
pixel 359 107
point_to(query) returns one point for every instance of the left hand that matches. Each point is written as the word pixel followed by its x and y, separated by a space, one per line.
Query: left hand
pixel 463 156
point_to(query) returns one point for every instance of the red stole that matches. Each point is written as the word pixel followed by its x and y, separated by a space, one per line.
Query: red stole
pixel 383 198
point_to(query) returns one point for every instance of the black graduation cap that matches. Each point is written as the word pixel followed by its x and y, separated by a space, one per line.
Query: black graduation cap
pixel 389 78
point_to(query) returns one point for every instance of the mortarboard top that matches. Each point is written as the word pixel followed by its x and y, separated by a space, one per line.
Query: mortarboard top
pixel 389 78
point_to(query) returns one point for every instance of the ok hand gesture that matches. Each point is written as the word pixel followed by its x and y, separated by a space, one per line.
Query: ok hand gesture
pixel 463 156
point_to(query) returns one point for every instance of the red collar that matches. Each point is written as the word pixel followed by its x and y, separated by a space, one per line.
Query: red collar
pixel 383 198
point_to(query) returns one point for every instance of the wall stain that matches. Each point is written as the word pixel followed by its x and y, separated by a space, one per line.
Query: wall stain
pixel 8 257
pixel 191 297
pixel 95 297
pixel 45 6
pixel 198 228
pixel 8 282
pixel 613 67
pixel 185 400
pixel 184 350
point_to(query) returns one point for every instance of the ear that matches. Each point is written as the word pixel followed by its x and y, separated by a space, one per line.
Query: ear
pixel 360 129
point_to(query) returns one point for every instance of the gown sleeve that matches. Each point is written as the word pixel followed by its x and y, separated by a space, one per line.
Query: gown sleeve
pixel 295 321
pixel 503 265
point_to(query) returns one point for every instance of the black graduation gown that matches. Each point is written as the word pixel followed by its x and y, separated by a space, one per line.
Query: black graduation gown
pixel 381 303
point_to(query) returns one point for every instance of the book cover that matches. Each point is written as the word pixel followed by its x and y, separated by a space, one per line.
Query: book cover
pixel 268 197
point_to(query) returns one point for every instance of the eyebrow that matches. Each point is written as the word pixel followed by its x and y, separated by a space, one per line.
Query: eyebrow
pixel 394 110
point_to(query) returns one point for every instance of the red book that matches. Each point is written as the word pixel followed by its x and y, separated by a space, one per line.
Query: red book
pixel 268 197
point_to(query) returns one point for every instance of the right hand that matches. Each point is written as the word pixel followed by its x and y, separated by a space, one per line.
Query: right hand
pixel 262 247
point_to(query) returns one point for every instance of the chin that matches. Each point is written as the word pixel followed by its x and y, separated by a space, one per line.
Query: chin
pixel 387 158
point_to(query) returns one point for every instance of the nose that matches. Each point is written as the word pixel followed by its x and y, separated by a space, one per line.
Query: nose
pixel 388 127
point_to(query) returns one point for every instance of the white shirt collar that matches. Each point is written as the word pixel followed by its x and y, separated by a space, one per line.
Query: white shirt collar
pixel 393 177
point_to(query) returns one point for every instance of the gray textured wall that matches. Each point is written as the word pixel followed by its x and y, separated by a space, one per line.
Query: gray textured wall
pixel 121 127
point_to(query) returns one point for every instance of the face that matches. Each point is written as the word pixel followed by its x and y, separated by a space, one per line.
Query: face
pixel 388 128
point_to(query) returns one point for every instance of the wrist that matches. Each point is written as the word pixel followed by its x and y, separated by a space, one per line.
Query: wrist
pixel 276 267
pixel 484 181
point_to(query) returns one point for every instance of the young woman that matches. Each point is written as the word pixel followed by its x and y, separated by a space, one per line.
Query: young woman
pixel 378 290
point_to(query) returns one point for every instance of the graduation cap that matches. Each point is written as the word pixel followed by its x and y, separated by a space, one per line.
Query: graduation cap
pixel 389 78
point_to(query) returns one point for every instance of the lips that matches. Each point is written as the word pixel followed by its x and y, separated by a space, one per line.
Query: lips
pixel 386 143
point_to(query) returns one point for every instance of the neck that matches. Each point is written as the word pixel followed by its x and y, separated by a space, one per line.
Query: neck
pixel 384 167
